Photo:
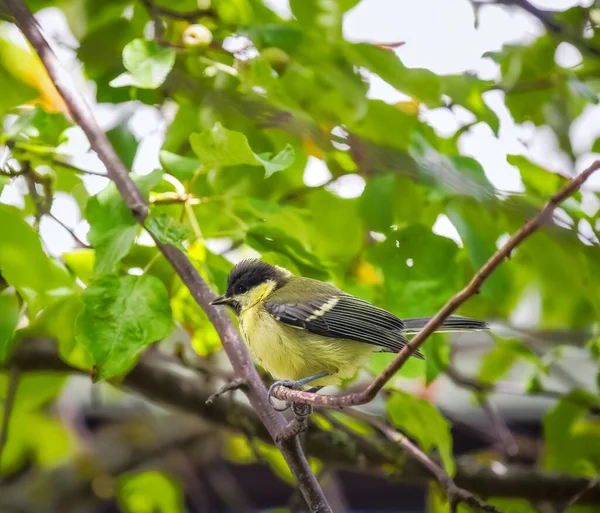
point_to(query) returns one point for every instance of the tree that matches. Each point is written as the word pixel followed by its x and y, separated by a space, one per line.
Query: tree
pixel 127 304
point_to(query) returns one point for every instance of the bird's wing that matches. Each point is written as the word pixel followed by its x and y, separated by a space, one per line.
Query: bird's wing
pixel 343 316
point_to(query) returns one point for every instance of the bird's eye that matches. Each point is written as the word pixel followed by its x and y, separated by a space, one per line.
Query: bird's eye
pixel 242 289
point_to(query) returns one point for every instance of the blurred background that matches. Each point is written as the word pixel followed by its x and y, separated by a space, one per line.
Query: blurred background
pixel 404 142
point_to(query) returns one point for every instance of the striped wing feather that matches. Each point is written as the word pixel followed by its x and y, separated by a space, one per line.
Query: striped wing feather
pixel 346 317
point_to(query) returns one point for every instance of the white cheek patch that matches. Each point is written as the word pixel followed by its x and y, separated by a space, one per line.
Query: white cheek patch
pixel 324 309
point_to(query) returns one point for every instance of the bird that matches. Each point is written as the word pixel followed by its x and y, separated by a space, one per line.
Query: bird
pixel 302 330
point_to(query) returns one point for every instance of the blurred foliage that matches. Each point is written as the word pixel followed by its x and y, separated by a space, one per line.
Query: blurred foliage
pixel 243 129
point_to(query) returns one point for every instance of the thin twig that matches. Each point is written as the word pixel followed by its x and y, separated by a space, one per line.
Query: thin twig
pixel 235 384
pixel 77 240
pixel 472 288
pixel 455 494
pixel 571 502
pixel 166 381
pixel 553 26
pixel 503 433
pixel 13 384
pixel 234 347
pixel 77 170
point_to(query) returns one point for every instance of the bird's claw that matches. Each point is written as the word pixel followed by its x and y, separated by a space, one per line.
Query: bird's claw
pixel 281 383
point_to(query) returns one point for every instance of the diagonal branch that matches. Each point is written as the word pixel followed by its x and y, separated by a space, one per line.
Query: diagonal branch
pixel 233 345
pixel 168 382
pixel 461 297
pixel 455 494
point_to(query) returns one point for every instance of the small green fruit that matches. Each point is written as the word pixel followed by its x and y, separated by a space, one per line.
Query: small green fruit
pixel 277 58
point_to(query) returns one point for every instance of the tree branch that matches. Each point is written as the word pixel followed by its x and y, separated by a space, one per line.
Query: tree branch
pixel 553 26
pixel 455 494
pixel 169 382
pixel 118 173
pixel 470 290
pixel 13 384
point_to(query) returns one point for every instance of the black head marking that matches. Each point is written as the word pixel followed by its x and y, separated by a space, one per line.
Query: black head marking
pixel 247 274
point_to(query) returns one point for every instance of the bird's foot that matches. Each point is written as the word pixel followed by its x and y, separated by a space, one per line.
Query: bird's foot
pixel 282 383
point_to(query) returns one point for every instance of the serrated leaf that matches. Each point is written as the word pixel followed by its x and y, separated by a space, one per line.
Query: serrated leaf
pixel 166 229
pixel 39 279
pixel 423 422
pixel 220 147
pixel 112 225
pixel 182 168
pixel 281 161
pixel 9 318
pixel 121 316
pixel 147 63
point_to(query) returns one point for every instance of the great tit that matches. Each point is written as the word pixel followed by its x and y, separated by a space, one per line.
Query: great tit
pixel 302 330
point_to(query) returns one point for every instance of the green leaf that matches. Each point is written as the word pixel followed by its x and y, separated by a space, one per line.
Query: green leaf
pixel 112 225
pixel 423 422
pixel 9 318
pixel 121 315
pixel 437 357
pixel 572 442
pixel 281 161
pixel 13 92
pixel 124 143
pixel 416 263
pixel 81 263
pixel 35 390
pixel 4 181
pixel 377 202
pixel 501 359
pixel 453 174
pixel 537 180
pixel 479 229
pixel 166 229
pixel 148 64
pixel 264 238
pixel 150 491
pixel 220 147
pixel 467 90
pixel 496 363
pixel 182 168
pixel 39 279
pixel 58 322
pixel 39 127
pixel 322 16
pixel 416 82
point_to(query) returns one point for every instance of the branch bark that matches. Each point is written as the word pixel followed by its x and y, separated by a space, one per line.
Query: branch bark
pixel 470 290
pixel 233 345
pixel 171 383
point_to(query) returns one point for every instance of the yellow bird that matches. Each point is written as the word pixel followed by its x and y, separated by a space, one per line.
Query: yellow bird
pixel 304 331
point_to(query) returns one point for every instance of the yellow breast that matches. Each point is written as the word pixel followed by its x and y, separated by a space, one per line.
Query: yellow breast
pixel 290 353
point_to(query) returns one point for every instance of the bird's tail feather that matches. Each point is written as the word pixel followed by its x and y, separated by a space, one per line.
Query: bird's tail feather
pixel 451 324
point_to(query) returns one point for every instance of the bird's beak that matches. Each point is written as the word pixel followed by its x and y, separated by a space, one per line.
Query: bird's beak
pixel 221 300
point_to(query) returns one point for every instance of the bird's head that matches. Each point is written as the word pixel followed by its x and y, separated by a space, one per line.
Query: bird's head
pixel 249 282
